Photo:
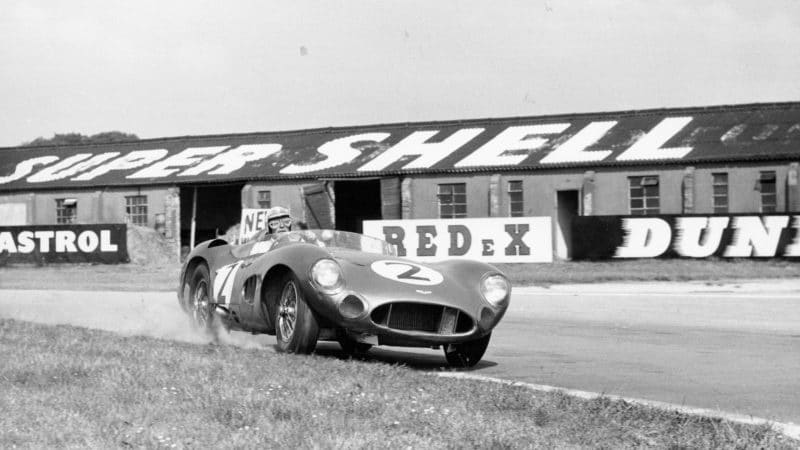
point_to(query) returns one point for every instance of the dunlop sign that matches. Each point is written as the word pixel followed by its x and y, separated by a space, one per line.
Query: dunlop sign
pixel 103 243
pixel 734 236
pixel 493 240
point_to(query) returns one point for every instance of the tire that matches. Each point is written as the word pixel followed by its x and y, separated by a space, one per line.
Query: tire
pixel 199 305
pixel 351 346
pixel 296 328
pixel 466 354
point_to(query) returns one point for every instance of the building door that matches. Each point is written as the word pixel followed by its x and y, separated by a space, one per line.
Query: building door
pixel 318 199
pixel 213 209
pixel 357 201
pixel 567 207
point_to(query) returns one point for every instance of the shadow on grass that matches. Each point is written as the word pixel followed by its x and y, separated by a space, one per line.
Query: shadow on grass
pixel 423 359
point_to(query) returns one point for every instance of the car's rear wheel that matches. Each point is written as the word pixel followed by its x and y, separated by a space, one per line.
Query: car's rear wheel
pixel 296 328
pixel 351 346
pixel 199 307
pixel 466 354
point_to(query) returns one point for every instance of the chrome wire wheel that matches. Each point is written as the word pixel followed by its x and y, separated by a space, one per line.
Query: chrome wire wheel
pixel 287 311
pixel 200 305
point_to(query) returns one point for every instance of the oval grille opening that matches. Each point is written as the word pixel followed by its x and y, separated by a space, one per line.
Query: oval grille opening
pixel 422 317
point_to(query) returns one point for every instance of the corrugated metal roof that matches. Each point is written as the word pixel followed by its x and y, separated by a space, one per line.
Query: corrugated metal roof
pixel 726 134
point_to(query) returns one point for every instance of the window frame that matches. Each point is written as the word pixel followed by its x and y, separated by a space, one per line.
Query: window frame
pixel 645 183
pixel 136 213
pixel 264 196
pixel 516 207
pixel 768 178
pixel 66 211
pixel 458 210
pixel 716 206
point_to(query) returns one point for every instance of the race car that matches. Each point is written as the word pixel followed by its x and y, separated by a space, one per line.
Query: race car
pixel 328 285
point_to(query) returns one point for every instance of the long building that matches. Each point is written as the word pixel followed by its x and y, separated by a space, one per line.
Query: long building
pixel 702 160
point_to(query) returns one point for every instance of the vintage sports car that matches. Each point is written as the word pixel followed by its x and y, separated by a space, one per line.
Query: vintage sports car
pixel 311 285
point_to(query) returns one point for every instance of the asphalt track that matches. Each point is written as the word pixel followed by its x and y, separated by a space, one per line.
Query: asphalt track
pixel 733 348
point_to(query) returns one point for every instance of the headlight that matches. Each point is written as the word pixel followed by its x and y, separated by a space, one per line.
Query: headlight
pixel 495 288
pixel 327 274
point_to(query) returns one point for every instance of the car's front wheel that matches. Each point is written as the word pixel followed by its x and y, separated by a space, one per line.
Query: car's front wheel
pixel 296 327
pixel 466 354
pixel 199 305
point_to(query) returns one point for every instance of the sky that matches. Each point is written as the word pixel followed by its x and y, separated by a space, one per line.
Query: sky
pixel 176 68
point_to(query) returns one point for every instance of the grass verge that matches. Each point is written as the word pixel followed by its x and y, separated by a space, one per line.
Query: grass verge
pixel 131 277
pixel 73 387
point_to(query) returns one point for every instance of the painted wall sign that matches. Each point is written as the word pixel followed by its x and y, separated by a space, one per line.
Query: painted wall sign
pixel 518 239
pixel 690 135
pixel 729 236
pixel 101 243
pixel 253 221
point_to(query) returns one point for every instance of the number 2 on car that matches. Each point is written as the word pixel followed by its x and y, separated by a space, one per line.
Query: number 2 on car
pixel 223 282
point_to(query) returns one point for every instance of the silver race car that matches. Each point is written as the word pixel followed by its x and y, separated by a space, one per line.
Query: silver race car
pixel 311 285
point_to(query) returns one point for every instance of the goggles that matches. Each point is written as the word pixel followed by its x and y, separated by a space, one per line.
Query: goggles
pixel 285 221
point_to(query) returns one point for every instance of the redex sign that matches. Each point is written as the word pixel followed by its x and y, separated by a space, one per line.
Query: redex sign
pixel 729 236
pixel 103 243
pixel 494 240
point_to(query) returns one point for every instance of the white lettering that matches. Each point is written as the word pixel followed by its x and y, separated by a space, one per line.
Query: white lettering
pixel 752 237
pixel 574 149
pixel 44 239
pixel 427 153
pixel 131 160
pixel 7 242
pixel 511 146
pixel 26 244
pixel 70 166
pixel 105 242
pixel 688 241
pixel 233 159
pixel 65 241
pixel 23 168
pixel 793 249
pixel 87 241
pixel 644 238
pixel 337 152
pixel 174 163
pixel 649 146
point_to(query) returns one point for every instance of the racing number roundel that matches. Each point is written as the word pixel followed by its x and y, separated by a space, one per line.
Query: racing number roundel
pixel 406 272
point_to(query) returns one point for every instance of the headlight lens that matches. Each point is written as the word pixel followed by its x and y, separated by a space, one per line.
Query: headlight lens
pixel 327 274
pixel 495 288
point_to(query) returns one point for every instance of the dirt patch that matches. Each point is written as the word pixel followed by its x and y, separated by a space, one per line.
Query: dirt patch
pixel 146 246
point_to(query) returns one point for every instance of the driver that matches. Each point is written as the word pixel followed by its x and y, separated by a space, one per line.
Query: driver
pixel 279 220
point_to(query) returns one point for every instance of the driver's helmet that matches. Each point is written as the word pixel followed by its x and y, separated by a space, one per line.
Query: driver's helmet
pixel 279 220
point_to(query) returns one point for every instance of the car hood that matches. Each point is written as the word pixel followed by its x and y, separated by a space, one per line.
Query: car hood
pixel 382 279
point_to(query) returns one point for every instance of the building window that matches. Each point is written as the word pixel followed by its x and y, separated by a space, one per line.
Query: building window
pixel 265 199
pixel 452 200
pixel 136 209
pixel 515 205
pixel 644 195
pixel 768 188
pixel 719 199
pixel 66 210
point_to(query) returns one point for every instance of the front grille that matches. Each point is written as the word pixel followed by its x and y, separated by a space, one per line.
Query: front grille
pixel 422 317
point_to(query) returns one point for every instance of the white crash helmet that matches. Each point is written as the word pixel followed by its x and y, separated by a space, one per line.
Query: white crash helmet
pixel 279 220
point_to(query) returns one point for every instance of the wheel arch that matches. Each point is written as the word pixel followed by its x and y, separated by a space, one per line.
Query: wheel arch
pixel 270 290
pixel 191 265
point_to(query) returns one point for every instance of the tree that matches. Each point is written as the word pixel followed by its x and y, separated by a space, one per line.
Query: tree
pixel 77 138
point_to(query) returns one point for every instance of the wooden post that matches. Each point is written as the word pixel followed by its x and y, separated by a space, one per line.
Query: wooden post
pixel 194 218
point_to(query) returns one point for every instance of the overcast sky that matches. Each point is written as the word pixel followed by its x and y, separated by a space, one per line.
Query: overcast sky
pixel 173 68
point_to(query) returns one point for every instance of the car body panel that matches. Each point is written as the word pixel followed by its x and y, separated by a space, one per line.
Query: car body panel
pixel 244 276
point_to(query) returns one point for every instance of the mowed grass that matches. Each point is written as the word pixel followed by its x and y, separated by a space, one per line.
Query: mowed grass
pixel 131 277
pixel 72 387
